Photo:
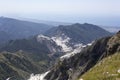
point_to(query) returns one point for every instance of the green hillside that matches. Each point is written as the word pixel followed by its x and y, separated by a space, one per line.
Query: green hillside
pixel 19 65
pixel 107 69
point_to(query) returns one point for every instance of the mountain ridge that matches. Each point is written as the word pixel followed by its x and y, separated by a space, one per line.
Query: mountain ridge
pixel 18 29
pixel 75 66
pixel 79 32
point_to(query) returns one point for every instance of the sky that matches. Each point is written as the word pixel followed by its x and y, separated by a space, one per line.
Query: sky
pixel 102 12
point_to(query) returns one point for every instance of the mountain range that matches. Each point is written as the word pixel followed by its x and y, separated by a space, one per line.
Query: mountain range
pixel 33 48
pixel 112 29
pixel 17 29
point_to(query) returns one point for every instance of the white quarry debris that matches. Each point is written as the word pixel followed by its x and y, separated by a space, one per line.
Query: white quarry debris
pixel 38 76
pixel 8 79
pixel 42 37
pixel 78 49
pixel 75 51
pixel 63 41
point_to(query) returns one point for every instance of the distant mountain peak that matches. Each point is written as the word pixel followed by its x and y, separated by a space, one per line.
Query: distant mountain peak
pixel 79 33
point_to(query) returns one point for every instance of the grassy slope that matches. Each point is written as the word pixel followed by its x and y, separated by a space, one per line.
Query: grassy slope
pixel 107 69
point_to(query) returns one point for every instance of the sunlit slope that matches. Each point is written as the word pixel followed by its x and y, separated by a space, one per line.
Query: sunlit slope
pixel 107 69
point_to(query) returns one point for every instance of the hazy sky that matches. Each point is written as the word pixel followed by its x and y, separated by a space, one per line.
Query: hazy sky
pixel 95 11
